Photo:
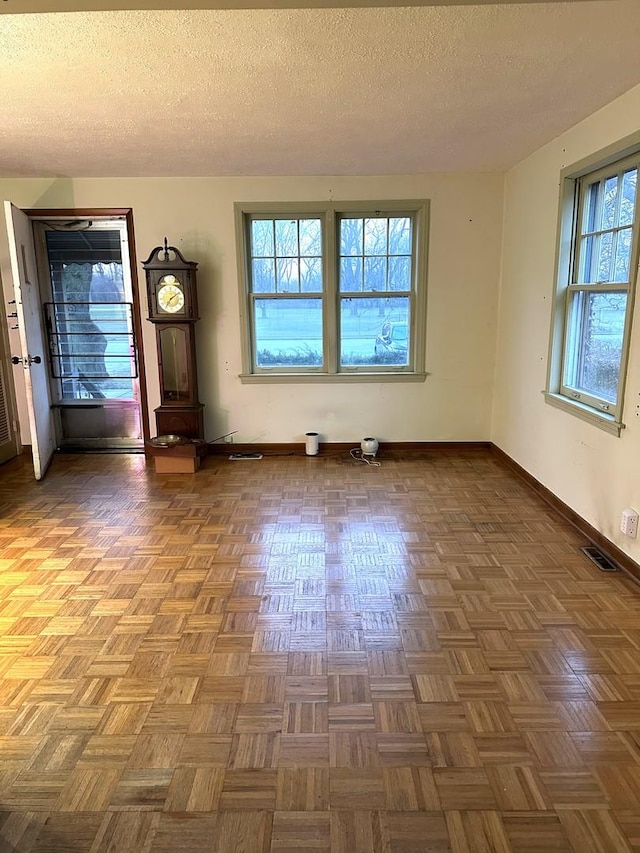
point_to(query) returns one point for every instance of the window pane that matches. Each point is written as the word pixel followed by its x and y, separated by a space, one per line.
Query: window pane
pixel 84 282
pixel 400 236
pixel 399 274
pixel 595 259
pixel 310 237
pixel 374 331
pixel 595 343
pixel 288 272
pixel 609 203
pixel 90 335
pixel 604 257
pixel 623 255
pixel 351 275
pixel 589 222
pixel 286 238
pixel 628 201
pixel 262 238
pixel 175 363
pixel 587 249
pixel 263 276
pixel 351 237
pixel 375 236
pixel 92 349
pixel 288 332
pixel 375 274
pixel 311 275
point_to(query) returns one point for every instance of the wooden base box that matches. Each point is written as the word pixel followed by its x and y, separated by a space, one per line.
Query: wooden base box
pixel 180 459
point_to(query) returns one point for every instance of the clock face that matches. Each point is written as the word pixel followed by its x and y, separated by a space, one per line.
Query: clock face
pixel 170 295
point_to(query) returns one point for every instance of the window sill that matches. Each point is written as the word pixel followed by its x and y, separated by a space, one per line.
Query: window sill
pixel 586 413
pixel 315 378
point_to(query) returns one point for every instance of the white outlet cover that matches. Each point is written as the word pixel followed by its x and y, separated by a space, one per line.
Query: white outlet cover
pixel 629 522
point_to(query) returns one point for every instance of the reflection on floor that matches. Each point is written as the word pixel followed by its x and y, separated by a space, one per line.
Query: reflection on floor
pixel 307 654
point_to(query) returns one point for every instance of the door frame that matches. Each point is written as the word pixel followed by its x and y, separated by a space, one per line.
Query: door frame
pixel 126 214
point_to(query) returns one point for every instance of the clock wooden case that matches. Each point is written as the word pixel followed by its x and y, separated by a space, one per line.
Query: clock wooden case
pixel 173 309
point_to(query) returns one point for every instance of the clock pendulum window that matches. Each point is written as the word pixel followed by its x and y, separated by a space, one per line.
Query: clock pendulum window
pixel 173 309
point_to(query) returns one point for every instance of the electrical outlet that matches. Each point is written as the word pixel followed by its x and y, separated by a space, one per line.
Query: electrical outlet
pixel 629 522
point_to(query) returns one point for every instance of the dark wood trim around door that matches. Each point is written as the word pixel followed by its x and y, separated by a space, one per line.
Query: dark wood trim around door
pixel 137 323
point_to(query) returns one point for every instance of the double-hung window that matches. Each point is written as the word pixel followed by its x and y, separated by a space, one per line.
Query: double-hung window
pixel 597 272
pixel 332 291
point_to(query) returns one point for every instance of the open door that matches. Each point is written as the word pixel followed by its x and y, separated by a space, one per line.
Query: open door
pixel 32 340
pixel 8 435
pixel 9 440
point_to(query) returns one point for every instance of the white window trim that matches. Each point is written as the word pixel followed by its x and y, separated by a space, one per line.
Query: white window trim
pixel 555 394
pixel 329 212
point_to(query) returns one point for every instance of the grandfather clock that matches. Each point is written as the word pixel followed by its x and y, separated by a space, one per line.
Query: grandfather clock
pixel 173 309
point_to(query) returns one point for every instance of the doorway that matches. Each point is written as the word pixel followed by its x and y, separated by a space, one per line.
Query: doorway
pixel 77 308
pixel 89 319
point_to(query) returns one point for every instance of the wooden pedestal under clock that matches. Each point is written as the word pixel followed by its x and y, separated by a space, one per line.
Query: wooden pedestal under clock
pixel 173 309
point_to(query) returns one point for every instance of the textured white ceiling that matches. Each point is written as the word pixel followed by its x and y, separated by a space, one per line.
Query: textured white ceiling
pixel 304 91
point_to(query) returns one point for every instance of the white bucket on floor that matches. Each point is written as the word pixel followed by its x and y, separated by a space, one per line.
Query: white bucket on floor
pixel 311 443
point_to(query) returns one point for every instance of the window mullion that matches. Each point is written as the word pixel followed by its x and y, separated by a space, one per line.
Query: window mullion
pixel 331 321
pixel 600 287
pixel 594 270
pixel 613 230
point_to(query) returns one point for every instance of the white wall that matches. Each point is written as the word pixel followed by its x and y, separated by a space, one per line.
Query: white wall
pixel 595 473
pixel 196 214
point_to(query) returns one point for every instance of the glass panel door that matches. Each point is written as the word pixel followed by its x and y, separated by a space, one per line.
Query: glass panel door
pixel 93 357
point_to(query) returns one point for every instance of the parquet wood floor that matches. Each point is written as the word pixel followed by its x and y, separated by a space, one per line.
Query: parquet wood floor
pixel 305 654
